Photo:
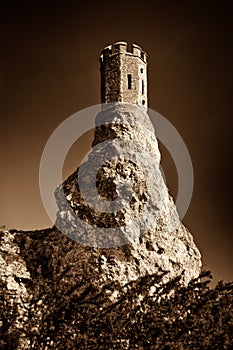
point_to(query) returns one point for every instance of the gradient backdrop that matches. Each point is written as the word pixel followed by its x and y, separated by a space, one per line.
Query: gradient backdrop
pixel 49 70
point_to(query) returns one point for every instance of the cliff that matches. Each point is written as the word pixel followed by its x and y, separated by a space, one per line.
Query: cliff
pixel 104 238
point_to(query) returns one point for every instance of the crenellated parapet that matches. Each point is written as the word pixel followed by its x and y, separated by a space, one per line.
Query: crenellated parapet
pixel 122 47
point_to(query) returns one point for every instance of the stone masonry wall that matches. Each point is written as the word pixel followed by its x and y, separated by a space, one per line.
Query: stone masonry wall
pixel 116 63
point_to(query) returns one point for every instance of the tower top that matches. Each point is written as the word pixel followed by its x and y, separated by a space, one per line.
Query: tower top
pixel 123 74
pixel 122 47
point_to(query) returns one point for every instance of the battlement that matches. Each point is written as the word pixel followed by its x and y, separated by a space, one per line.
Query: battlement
pixel 122 47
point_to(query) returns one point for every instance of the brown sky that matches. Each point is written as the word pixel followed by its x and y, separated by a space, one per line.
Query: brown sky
pixel 49 70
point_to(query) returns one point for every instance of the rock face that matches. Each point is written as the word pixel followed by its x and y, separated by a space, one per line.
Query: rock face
pixel 140 233
pixel 97 240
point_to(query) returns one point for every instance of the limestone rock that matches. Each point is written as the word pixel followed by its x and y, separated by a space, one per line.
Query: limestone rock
pixel 124 165
pixel 15 280
pixel 129 230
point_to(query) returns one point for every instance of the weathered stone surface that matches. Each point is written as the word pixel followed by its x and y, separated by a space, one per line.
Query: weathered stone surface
pixel 148 223
pixel 39 268
pixel 14 295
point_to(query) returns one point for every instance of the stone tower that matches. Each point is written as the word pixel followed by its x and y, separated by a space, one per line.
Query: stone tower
pixel 123 74
pixel 123 225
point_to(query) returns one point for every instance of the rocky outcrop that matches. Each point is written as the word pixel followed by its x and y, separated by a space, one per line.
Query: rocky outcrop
pixel 124 166
pixel 125 229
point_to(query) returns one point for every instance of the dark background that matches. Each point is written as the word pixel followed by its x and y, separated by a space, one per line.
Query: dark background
pixel 49 70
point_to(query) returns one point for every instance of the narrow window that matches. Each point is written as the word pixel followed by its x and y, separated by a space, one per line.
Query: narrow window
pixel 142 87
pixel 141 70
pixel 129 81
pixel 142 55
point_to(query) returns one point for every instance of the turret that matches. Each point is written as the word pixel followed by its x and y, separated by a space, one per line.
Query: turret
pixel 123 74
